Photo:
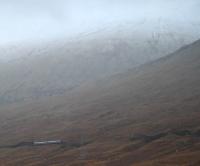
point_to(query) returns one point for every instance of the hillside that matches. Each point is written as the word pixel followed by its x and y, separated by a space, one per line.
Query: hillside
pixel 33 71
pixel 146 116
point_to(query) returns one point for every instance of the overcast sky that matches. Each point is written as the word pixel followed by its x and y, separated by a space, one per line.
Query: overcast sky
pixel 41 19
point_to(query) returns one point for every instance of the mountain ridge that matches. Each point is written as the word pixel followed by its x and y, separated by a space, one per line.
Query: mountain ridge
pixel 159 97
pixel 56 68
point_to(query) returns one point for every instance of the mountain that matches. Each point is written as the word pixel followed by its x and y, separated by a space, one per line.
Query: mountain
pixel 34 71
pixel 146 116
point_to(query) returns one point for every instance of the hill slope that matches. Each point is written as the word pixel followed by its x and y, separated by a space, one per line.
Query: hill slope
pixel 54 68
pixel 146 116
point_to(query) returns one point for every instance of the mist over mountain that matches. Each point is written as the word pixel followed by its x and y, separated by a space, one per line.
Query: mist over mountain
pixel 53 68
pixel 35 20
pixel 99 83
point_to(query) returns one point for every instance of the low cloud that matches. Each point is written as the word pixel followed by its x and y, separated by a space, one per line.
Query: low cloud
pixel 35 19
